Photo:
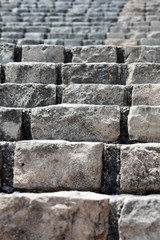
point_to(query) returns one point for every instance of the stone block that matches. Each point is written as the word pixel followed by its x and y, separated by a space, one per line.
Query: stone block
pixel 90 54
pixel 99 73
pixel 98 94
pixel 6 53
pixel 58 165
pixel 68 215
pixel 27 95
pixel 121 42
pixel 144 123
pixel 141 73
pixel 146 94
pixel 31 73
pixel 43 53
pixel 76 122
pixel 11 121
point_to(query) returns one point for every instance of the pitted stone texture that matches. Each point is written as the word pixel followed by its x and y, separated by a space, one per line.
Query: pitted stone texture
pixel 43 53
pixel 54 165
pixel 6 53
pixel 90 54
pixel 140 168
pixel 100 73
pixel 146 94
pixel 31 73
pixel 27 95
pixel 76 122
pixel 144 123
pixel 98 94
pixel 141 73
pixel 61 215
pixel 140 218
pixel 11 121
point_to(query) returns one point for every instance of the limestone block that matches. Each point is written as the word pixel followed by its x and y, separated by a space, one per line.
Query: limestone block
pixel 141 73
pixel 120 42
pixel 61 215
pixel 6 53
pixel 11 121
pixel 98 94
pixel 100 73
pixel 90 54
pixel 144 123
pixel 140 168
pixel 76 122
pixel 140 218
pixel 146 94
pixel 27 95
pixel 43 53
pixel 54 165
pixel 31 73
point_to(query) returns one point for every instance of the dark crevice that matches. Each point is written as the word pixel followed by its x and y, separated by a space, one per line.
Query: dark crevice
pixel 124 137
pixel 120 55
pixel 3 78
pixel 18 54
pixel 68 56
pixel 58 71
pixel 59 92
pixel 129 95
pixel 26 125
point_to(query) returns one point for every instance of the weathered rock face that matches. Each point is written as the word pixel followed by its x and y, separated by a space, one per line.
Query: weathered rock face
pixel 140 218
pixel 76 122
pixel 140 168
pixel 31 73
pixel 98 94
pixel 27 95
pixel 55 165
pixel 11 121
pixel 43 53
pixel 146 94
pixel 88 54
pixel 6 53
pixel 62 215
pixel 144 123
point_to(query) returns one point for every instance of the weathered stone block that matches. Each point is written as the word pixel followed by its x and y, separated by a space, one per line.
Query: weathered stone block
pixel 146 94
pixel 144 123
pixel 11 121
pixel 98 94
pixel 31 73
pixel 76 122
pixel 6 53
pixel 100 73
pixel 140 168
pixel 141 73
pixel 90 54
pixel 43 53
pixel 27 95
pixel 55 165
pixel 68 215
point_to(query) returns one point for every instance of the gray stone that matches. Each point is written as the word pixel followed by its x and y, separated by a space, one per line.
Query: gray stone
pixel 90 54
pixel 141 73
pixel 43 53
pixel 31 73
pixel 6 53
pixel 98 94
pixel 144 123
pixel 140 168
pixel 68 215
pixel 11 121
pixel 146 94
pixel 76 122
pixel 54 165
pixel 121 42
pixel 140 218
pixel 100 73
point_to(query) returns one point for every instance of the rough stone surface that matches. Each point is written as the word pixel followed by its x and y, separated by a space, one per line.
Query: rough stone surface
pixel 76 122
pixel 6 53
pixel 31 73
pixel 43 53
pixel 101 73
pixel 90 54
pixel 61 215
pixel 98 94
pixel 144 123
pixel 27 95
pixel 140 218
pixel 140 168
pixel 11 121
pixel 55 165
pixel 141 73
